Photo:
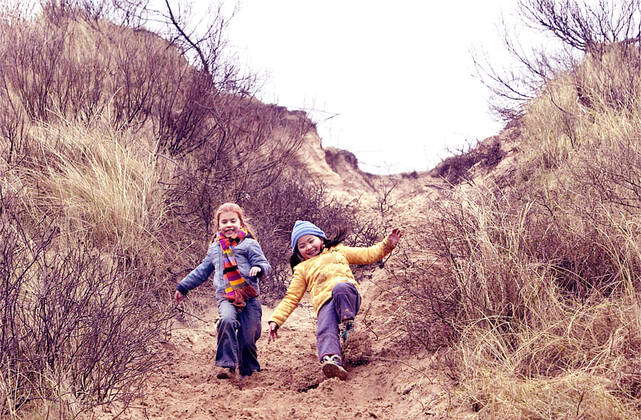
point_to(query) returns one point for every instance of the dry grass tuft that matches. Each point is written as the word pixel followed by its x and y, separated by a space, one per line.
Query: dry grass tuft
pixel 496 394
pixel 536 283
pixel 102 184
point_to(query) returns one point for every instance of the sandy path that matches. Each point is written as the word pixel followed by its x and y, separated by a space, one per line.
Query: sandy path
pixel 291 385
pixel 385 381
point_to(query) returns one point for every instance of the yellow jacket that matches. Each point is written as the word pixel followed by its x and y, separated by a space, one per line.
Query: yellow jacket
pixel 321 273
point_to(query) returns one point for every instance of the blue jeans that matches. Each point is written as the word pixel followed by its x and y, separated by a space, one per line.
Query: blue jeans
pixel 343 305
pixel 238 331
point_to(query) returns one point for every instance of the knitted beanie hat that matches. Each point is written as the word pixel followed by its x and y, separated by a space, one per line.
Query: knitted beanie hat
pixel 302 228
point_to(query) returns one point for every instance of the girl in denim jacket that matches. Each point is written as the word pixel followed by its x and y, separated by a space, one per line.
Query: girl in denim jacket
pixel 321 266
pixel 237 261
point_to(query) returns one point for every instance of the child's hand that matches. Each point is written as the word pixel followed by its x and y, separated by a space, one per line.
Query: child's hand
pixel 273 331
pixel 394 237
pixel 178 296
pixel 253 272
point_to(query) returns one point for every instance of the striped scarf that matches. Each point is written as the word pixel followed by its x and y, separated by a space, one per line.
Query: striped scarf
pixel 239 289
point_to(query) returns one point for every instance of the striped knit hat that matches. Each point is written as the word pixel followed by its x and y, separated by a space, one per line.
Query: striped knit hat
pixel 302 228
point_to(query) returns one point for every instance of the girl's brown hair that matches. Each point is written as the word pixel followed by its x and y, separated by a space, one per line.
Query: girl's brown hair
pixel 233 207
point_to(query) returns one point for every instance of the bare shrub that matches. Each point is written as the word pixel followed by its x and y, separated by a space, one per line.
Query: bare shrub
pixel 582 26
pixel 12 132
pixel 537 280
pixel 579 29
pixel 121 146
pixel 538 300
pixel 150 85
pixel 536 284
pixel 592 203
pixel 480 255
pixel 543 271
pixel 53 69
pixel 426 309
pixel 78 329
pixel 489 250
pixel 251 156
pixel 456 169
pixel 66 64
pixel 609 173
pixel 605 180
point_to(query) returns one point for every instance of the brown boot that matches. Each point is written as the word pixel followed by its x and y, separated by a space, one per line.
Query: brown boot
pixel 225 373
pixel 333 368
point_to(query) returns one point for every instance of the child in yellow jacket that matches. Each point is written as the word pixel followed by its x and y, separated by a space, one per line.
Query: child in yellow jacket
pixel 321 266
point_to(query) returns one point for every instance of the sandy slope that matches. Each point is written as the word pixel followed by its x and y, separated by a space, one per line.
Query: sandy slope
pixel 385 382
pixel 291 386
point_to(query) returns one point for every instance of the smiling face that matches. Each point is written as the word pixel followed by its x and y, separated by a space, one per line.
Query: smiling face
pixel 229 224
pixel 309 246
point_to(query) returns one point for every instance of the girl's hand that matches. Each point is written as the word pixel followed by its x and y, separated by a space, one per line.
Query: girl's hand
pixel 394 237
pixel 253 272
pixel 273 331
pixel 178 296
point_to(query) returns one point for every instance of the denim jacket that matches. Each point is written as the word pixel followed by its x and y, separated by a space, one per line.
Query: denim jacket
pixel 248 254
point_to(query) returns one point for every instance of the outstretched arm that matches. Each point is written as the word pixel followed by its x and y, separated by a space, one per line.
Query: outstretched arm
pixel 196 277
pixel 294 294
pixel 376 252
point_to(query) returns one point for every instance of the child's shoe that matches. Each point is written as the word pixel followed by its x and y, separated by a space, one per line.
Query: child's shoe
pixel 344 329
pixel 225 373
pixel 332 367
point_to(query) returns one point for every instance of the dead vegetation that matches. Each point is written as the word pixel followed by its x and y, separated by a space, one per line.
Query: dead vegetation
pixel 114 154
pixel 534 286
pixel 459 167
pixel 116 145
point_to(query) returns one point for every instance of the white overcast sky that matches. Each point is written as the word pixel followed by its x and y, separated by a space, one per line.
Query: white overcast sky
pixel 397 75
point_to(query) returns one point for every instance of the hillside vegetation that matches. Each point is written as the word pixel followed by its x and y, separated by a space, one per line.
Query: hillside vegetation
pixel 534 268
pixel 519 273
pixel 116 146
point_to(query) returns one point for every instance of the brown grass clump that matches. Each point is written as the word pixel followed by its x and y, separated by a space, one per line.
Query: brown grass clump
pixel 534 285
pixel 521 303
pixel 103 184
pixel 597 343
pixel 572 395
pixel 114 150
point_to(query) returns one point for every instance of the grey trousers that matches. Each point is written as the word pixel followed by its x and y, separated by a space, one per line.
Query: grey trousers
pixel 343 305
pixel 238 331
